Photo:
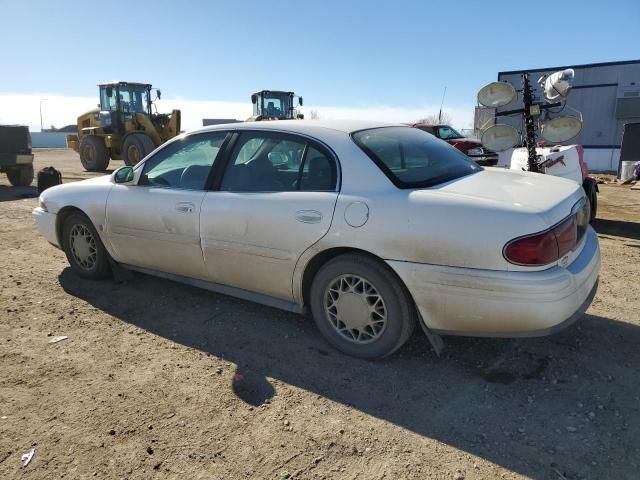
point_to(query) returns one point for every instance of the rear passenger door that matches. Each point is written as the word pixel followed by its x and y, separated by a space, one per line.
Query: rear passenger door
pixel 275 199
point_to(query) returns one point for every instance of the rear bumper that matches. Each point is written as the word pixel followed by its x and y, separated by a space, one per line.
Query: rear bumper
pixel 46 223
pixel 461 301
pixel 11 161
pixel 24 159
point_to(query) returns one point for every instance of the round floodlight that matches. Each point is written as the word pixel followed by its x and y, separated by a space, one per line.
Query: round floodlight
pixel 561 129
pixel 558 85
pixel 500 138
pixel 496 94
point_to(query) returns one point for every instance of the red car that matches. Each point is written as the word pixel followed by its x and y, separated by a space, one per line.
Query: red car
pixel 469 146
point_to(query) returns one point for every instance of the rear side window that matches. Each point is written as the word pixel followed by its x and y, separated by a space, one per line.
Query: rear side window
pixel 271 162
pixel 412 158
pixel 318 172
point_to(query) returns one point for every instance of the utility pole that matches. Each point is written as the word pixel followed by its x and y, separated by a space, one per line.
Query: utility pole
pixel 41 100
pixel 441 105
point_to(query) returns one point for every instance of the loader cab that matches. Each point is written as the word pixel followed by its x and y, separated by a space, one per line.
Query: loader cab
pixel 118 100
pixel 273 104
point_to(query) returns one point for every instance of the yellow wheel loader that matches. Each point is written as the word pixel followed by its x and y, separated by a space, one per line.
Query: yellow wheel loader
pixel 274 105
pixel 122 127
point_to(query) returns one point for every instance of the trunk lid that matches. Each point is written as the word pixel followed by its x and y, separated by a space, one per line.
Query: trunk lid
pixel 551 197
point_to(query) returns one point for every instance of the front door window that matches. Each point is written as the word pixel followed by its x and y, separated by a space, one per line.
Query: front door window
pixel 184 164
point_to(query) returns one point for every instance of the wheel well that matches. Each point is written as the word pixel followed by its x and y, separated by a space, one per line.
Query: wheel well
pixel 323 257
pixel 61 217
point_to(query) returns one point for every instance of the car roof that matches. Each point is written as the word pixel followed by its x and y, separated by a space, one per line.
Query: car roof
pixel 302 126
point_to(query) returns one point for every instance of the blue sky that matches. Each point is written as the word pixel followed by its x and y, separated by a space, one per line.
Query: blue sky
pixel 350 54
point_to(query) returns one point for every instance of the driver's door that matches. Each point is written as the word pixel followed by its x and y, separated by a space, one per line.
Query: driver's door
pixel 155 224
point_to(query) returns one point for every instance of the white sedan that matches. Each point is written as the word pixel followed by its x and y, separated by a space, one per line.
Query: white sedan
pixel 372 227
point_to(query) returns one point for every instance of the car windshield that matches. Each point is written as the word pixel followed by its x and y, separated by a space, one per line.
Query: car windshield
pixel 412 158
pixel 448 133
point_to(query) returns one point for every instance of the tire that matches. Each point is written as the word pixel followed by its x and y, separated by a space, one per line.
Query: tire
pixel 96 267
pixel 135 147
pixel 355 283
pixel 93 153
pixel 593 199
pixel 20 177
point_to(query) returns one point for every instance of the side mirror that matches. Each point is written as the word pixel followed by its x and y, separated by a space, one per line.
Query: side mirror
pixel 109 92
pixel 158 93
pixel 123 175
pixel 300 101
pixel 254 98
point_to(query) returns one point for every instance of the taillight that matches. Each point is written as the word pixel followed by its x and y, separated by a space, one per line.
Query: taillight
pixel 546 247
pixel 29 140
pixel 538 249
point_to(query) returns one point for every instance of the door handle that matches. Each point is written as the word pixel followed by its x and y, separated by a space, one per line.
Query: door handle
pixel 308 216
pixel 185 207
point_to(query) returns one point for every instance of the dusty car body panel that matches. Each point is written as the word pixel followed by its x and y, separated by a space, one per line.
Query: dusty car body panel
pixel 89 196
pixel 501 304
pixel 260 231
pixel 444 242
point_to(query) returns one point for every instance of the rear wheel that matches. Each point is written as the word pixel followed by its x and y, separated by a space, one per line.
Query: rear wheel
pixel 20 177
pixel 93 153
pixel 361 307
pixel 135 147
pixel 84 249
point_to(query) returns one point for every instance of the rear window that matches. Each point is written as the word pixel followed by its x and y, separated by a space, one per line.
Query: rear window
pixel 412 158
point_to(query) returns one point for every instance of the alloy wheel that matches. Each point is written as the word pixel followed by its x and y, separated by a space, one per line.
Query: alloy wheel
pixel 355 308
pixel 83 246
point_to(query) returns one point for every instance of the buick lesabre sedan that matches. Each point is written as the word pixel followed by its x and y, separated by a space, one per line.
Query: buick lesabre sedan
pixel 373 228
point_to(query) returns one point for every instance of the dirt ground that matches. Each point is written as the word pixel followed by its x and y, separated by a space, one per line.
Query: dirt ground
pixel 162 380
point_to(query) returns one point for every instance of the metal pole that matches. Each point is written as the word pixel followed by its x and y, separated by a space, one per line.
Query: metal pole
pixel 529 124
pixel 441 105
pixel 41 100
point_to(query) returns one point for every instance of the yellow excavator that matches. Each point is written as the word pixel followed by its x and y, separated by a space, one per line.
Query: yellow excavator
pixel 122 127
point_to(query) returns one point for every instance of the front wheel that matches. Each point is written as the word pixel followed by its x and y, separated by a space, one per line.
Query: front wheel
pixel 93 153
pixel 361 307
pixel 135 147
pixel 84 249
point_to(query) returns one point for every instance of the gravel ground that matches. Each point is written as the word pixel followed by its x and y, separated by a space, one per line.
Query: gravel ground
pixel 162 380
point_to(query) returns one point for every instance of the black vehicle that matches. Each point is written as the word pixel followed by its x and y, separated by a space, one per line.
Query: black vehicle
pixel 16 159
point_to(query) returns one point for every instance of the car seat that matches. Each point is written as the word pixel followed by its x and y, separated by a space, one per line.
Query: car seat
pixel 319 176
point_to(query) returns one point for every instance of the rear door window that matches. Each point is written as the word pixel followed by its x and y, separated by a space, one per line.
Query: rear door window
pixel 272 162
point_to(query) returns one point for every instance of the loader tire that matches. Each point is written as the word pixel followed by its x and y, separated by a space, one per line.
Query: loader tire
pixel 20 177
pixel 93 153
pixel 135 147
